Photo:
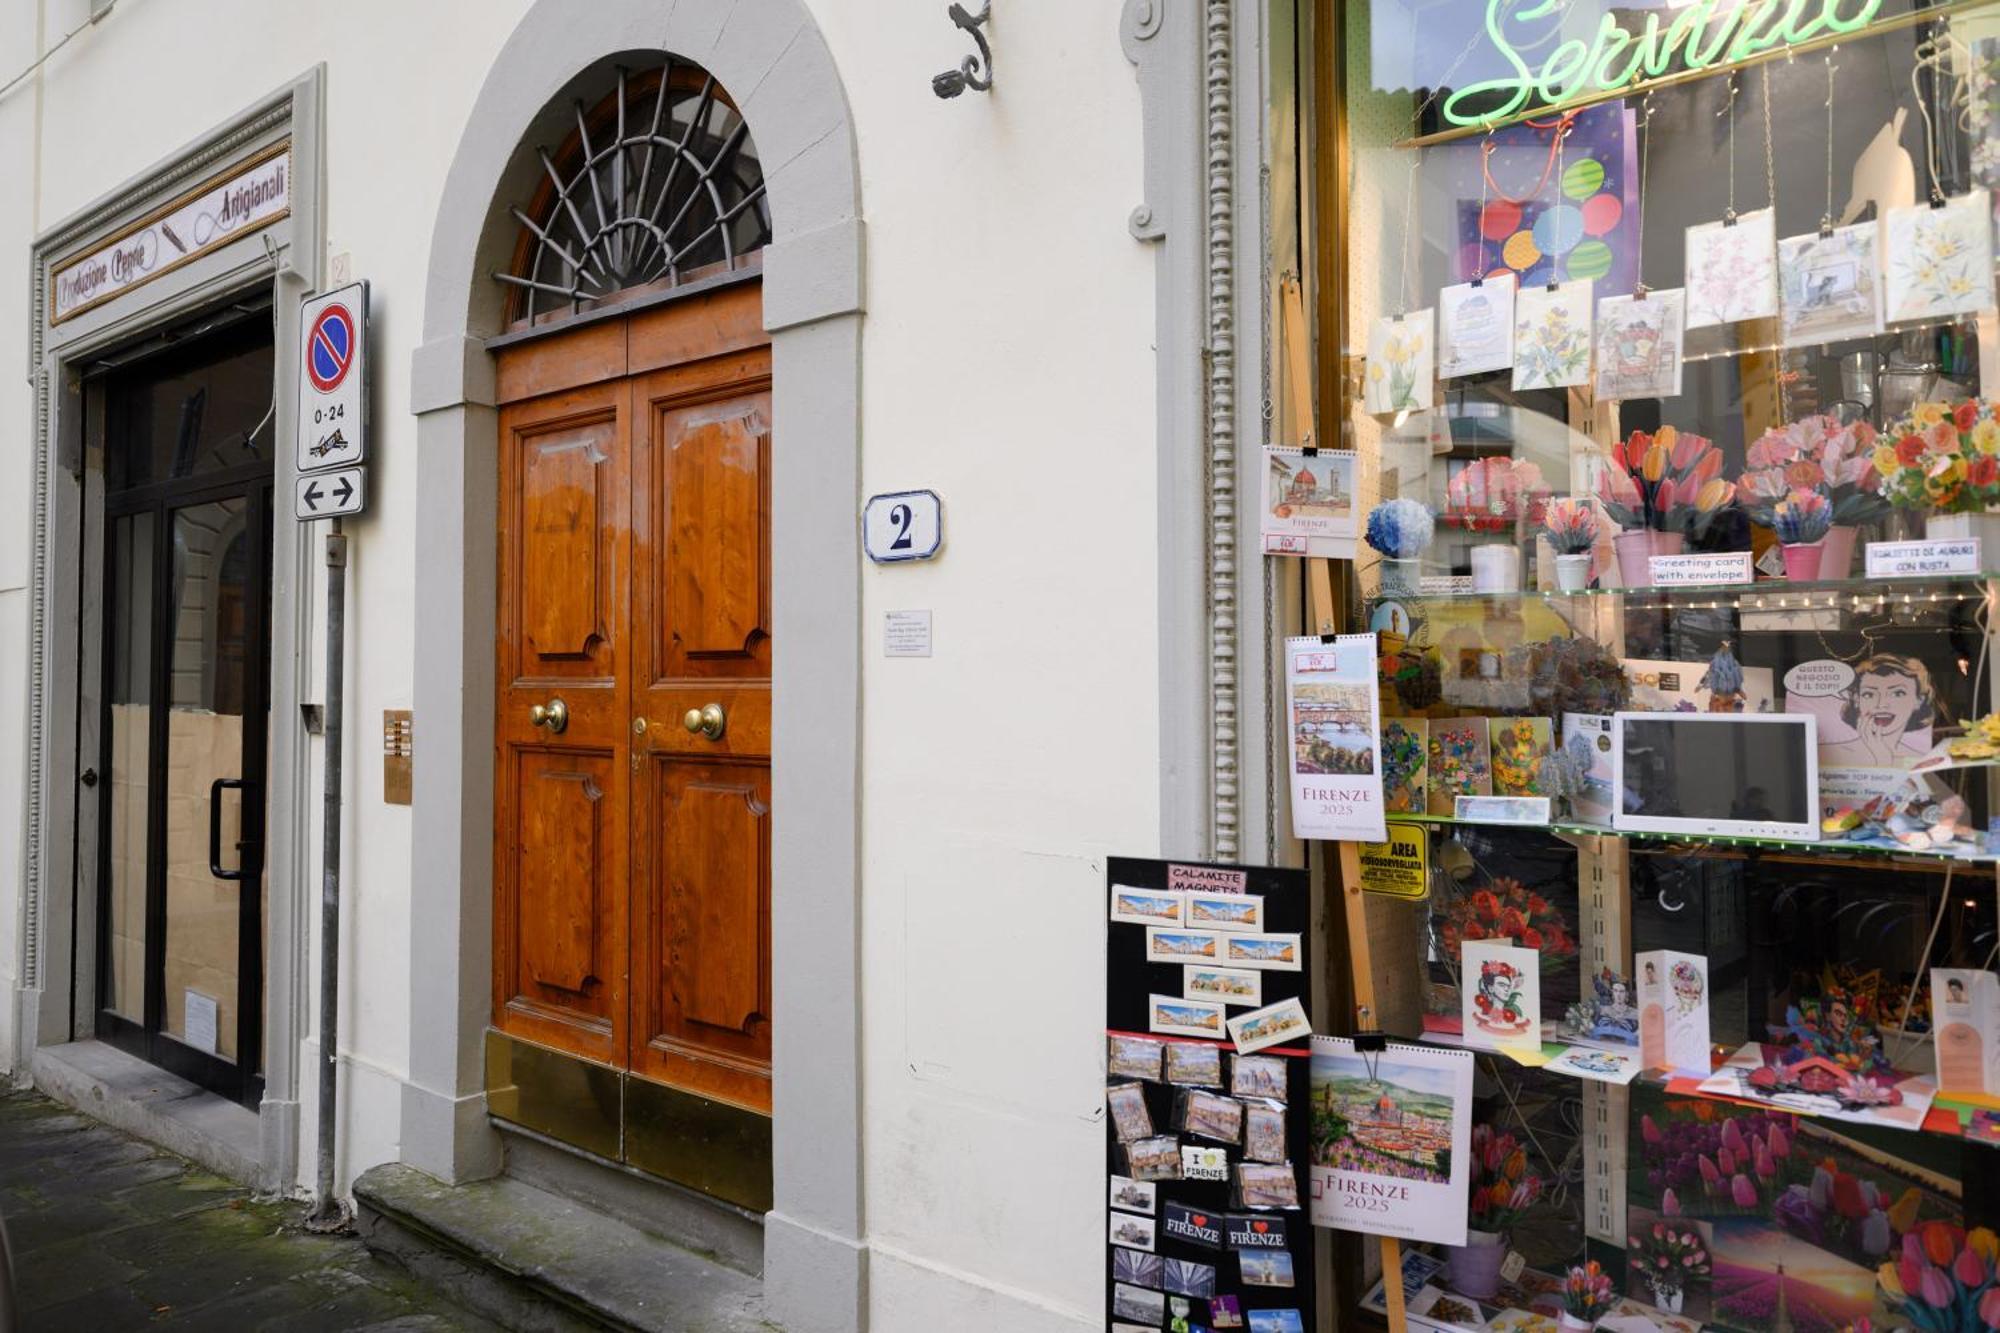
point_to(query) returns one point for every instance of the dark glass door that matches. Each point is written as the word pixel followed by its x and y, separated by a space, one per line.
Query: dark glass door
pixel 186 712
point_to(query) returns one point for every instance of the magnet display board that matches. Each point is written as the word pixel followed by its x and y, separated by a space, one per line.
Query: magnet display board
pixel 1206 1216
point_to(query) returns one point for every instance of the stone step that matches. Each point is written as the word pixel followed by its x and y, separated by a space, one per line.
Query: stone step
pixel 532 1260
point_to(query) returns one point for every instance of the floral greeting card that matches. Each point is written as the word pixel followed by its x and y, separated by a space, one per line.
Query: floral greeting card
pixel 1401 363
pixel 1552 336
pixel 1673 1011
pixel 1476 327
pixel 1639 345
pixel 1519 746
pixel 1460 762
pixel 1405 745
pixel 1830 286
pixel 1732 270
pixel 1940 260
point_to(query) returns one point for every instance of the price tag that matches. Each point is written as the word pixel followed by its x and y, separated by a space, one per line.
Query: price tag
pixel 1896 560
pixel 1700 571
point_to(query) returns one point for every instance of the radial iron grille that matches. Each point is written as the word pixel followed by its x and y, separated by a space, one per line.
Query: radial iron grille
pixel 659 182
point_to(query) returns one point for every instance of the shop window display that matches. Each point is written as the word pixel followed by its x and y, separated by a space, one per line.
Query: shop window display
pixel 1671 376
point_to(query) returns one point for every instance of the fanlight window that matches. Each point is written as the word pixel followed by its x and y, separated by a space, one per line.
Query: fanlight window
pixel 658 185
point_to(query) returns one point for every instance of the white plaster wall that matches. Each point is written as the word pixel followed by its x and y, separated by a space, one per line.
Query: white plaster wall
pixel 1007 364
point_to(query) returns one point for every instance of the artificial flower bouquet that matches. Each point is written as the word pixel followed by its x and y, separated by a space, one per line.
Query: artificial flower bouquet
pixel 1669 481
pixel 1944 1280
pixel 1507 909
pixel 1495 494
pixel 1502 1187
pixel 1571 525
pixel 1587 1294
pixel 1819 453
pixel 1942 458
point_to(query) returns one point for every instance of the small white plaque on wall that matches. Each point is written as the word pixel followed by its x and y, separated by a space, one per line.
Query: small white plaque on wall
pixel 906 634
pixel 902 525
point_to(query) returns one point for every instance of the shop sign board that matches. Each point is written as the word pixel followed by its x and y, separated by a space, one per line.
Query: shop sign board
pixel 333 379
pixel 1704 570
pixel 1399 867
pixel 1892 560
pixel 248 198
pixel 1704 35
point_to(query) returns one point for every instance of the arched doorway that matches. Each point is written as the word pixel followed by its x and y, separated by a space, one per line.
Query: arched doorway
pixel 814 1256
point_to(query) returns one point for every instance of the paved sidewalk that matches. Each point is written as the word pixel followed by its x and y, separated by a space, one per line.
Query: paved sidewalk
pixel 110 1233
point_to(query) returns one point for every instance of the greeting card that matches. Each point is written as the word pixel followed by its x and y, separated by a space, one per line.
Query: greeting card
pixel 1965 1007
pixel 1405 746
pixel 1476 327
pixel 1673 1011
pixel 1401 365
pixel 1309 503
pixel 1940 260
pixel 1732 270
pixel 1519 744
pixel 1830 287
pixel 1639 340
pixel 1552 336
pixel 1336 764
pixel 1500 994
pixel 1460 763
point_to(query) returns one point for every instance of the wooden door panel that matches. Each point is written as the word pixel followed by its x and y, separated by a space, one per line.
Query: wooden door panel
pixel 712 562
pixel 703 945
pixel 562 820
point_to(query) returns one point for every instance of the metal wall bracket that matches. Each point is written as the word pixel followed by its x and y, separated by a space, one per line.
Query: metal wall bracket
pixel 974 72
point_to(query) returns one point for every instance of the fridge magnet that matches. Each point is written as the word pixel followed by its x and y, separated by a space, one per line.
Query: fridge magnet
pixel 1258 1076
pixel 1309 503
pixel 1231 985
pixel 1830 286
pixel 1673 1011
pixel 1194 1064
pixel 1404 763
pixel 1269 953
pixel 1259 1185
pixel 1146 907
pixel 1940 260
pixel 1225 1311
pixel 1476 327
pixel 1519 745
pixel 1212 1116
pixel 1336 769
pixel 1264 1134
pixel 1138 1268
pixel 1134 1196
pixel 1732 270
pixel 1196 1226
pixel 1175 1017
pixel 1966 1002
pixel 1182 946
pixel 1267 1268
pixel 1203 1163
pixel 1552 336
pixel 1400 364
pixel 1154 1159
pixel 1281 1022
pixel 1596 1064
pixel 1391 1132
pixel 1184 1277
pixel 1134 1057
pixel 1639 343
pixel 1136 1303
pixel 1460 762
pixel 1501 990
pixel 1225 911
pixel 1128 1111
pixel 1127 1326
pixel 1256 1231
pixel 1276 1321
pixel 1134 1233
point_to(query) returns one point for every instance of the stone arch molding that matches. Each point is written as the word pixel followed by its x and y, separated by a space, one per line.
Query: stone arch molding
pixel 770 57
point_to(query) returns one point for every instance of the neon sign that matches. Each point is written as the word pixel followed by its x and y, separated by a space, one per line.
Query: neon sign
pixel 1708 34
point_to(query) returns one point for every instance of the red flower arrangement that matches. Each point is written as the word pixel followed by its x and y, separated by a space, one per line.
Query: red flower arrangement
pixel 1507 910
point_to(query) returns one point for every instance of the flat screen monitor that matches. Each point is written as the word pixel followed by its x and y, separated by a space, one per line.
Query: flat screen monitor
pixel 1741 775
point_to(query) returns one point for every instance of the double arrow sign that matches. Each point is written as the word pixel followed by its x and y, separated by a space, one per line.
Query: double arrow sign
pixel 330 494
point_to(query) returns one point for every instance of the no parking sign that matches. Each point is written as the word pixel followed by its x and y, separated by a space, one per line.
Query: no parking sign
pixel 333 379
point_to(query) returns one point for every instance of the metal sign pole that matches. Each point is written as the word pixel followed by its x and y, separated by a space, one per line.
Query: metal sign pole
pixel 329 1210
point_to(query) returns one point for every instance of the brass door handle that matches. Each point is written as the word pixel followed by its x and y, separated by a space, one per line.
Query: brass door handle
pixel 708 721
pixel 554 715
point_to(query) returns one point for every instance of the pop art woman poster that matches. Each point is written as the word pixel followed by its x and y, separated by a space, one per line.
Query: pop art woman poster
pixel 1877 713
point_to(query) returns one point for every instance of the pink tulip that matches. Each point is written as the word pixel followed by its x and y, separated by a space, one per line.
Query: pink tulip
pixel 1780 1146
pixel 1910 1272
pixel 1742 1191
pixel 1732 1138
pixel 1937 1291
pixel 1764 1166
pixel 1989 1308
pixel 1650 1131
pixel 1710 1177
pixel 1670 1204
pixel 1969 1269
pixel 1726 1159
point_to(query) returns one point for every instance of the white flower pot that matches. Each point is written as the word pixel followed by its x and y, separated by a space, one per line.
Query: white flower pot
pixel 1573 571
pixel 1496 567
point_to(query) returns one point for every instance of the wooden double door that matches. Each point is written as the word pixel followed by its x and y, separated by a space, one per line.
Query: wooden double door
pixel 633 726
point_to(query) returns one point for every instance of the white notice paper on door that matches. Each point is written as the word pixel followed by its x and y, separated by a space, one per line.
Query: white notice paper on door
pixel 198 1015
